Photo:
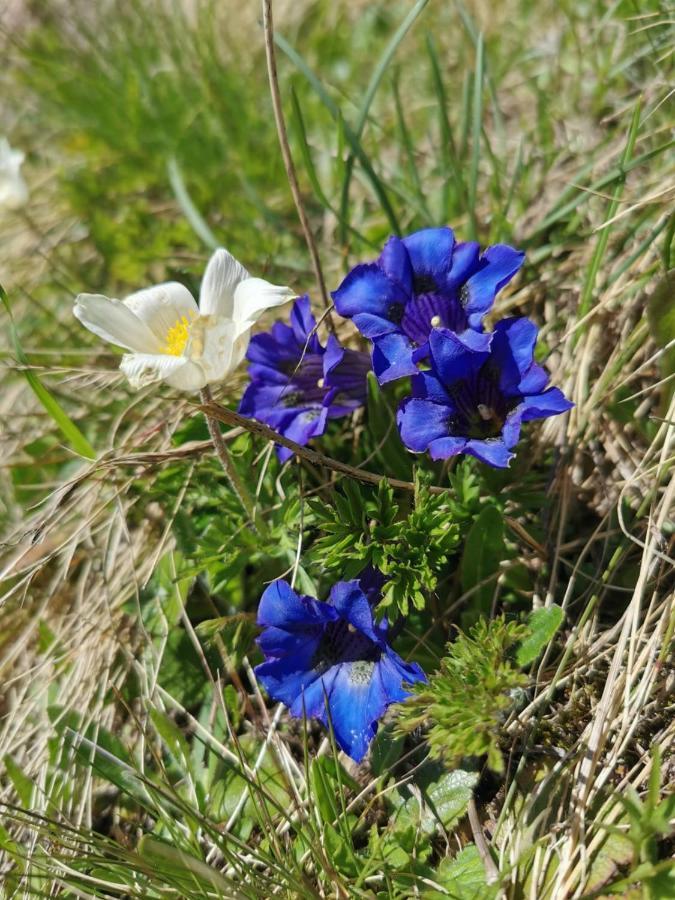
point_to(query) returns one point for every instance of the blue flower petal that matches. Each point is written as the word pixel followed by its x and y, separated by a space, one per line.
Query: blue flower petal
pixel 511 429
pixel 498 265
pixel 303 324
pixel 281 607
pixel 513 347
pixel 311 701
pixel 550 403
pixel 278 642
pixel 395 262
pixel 534 380
pixel 372 326
pixel 308 424
pixel 465 261
pixel 270 357
pixel 430 252
pixel 345 373
pixel 427 386
pixel 302 639
pixel 356 703
pixel 372 581
pixel 392 357
pixel 395 672
pixel 420 422
pixel 352 604
pixel 285 679
pixel 333 356
pixel 493 451
pixel 458 356
pixel 262 400
pixel 445 447
pixel 367 291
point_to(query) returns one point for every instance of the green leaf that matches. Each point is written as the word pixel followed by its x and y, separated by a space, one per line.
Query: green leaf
pixel 447 150
pixel 328 779
pixel 444 802
pixel 188 869
pixel 463 877
pixel 60 417
pixel 464 703
pixel 172 736
pixel 484 550
pixel 386 751
pixel 190 211
pixel 614 852
pixel 235 634
pixel 181 672
pixel 23 785
pixel 97 749
pixel 543 624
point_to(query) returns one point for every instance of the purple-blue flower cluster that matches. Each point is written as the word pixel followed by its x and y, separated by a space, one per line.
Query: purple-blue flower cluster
pixel 422 282
pixel 297 384
pixel 331 661
pixel 423 302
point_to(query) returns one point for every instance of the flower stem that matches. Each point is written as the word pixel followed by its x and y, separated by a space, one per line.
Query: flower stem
pixel 230 470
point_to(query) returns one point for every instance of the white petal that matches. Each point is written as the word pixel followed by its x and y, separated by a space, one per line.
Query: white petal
pixel 177 371
pixel 240 348
pixel 114 322
pixel 161 306
pixel 218 341
pixel 223 274
pixel 255 295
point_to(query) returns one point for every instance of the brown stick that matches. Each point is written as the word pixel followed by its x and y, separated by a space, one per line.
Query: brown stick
pixel 228 417
pixel 491 870
pixel 268 29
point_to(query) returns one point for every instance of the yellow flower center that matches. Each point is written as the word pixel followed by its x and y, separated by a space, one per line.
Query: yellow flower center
pixel 177 337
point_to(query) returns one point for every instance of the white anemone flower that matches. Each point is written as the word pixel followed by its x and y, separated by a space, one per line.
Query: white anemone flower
pixel 13 188
pixel 171 338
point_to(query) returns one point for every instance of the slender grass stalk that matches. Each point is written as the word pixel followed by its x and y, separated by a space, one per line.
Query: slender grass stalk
pixel 270 56
pixel 229 467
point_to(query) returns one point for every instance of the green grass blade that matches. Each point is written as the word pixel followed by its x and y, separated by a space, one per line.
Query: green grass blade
pixel 473 31
pixel 409 151
pixel 449 156
pixel 310 168
pixel 581 195
pixel 61 419
pixel 351 137
pixel 476 128
pixel 601 246
pixel 190 211
pixel 369 96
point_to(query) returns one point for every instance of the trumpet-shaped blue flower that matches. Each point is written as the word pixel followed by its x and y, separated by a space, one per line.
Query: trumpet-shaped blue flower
pixel 297 384
pixel 331 660
pixel 480 388
pixel 424 281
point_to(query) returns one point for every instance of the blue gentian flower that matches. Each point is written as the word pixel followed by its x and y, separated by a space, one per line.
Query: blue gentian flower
pixel 331 660
pixel 297 384
pixel 421 282
pixel 480 388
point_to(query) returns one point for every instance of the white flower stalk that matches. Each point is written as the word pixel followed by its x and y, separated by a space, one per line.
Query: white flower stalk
pixel 13 188
pixel 173 339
